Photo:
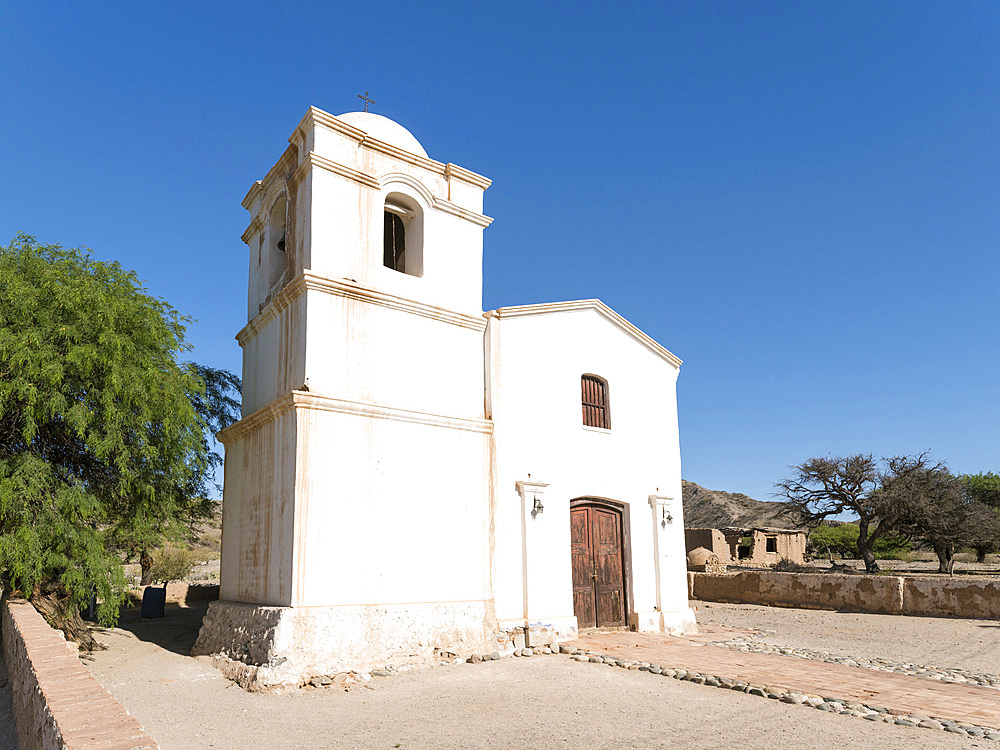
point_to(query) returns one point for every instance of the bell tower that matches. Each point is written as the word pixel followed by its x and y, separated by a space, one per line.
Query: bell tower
pixel 364 440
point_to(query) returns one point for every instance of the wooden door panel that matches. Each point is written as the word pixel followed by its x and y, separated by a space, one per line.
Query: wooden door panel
pixel 608 566
pixel 584 601
pixel 598 580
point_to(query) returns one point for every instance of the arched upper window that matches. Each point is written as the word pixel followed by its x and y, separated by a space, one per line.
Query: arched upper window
pixel 275 257
pixel 595 402
pixel 402 244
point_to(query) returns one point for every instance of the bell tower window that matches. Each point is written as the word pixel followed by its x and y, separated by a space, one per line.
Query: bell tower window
pixel 402 241
pixel 394 247
pixel 275 257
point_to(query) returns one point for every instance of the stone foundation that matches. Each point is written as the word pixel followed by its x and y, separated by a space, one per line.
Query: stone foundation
pixel 516 634
pixel 268 649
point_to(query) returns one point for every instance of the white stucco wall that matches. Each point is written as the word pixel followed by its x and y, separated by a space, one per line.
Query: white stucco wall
pixel 536 362
pixel 390 511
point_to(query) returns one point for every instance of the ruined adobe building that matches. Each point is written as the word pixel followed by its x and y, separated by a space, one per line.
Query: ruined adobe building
pixel 755 548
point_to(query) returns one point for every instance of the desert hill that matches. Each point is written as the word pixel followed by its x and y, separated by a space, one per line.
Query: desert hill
pixel 717 509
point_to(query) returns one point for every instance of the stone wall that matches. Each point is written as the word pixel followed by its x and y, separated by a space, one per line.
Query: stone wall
pixel 58 705
pixel 857 593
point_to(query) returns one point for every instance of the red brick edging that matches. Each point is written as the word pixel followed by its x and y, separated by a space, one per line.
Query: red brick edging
pixel 58 705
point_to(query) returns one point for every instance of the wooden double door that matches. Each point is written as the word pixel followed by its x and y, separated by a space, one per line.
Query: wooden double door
pixel 597 541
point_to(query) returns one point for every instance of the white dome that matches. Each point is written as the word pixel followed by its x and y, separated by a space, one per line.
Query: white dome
pixel 385 130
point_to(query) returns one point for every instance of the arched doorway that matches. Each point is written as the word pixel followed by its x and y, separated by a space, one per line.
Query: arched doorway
pixel 598 545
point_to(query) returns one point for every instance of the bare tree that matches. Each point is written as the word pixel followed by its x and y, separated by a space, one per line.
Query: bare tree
pixel 938 509
pixel 928 505
pixel 831 486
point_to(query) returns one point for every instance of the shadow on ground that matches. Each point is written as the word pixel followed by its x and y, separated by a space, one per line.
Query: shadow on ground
pixel 176 631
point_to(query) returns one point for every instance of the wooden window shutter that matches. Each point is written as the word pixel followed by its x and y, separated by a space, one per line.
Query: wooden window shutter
pixel 595 402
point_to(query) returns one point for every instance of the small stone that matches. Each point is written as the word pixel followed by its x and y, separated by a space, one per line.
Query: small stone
pixel 712 682
pixel 973 731
pixel 527 652
pixel 824 706
pixel 954 729
pixel 993 735
pixel 384 673
pixel 931 724
pixel 596 660
pixel 680 674
pixel 565 649
pixel 318 681
pixel 699 680
pixel 474 659
pixel 517 652
pixel 757 691
pixel 546 650
pixel 495 656
pixel 793 698
pixel 873 717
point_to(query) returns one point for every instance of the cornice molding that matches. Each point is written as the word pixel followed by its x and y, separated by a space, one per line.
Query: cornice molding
pixel 248 199
pixel 316 116
pixel 255 226
pixel 463 213
pixel 465 175
pixel 350 290
pixel 587 304
pixel 315 160
pixel 312 159
pixel 316 402
pixel 311 281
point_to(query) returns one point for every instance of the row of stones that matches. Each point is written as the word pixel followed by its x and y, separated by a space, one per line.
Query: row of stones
pixel 822 703
pixel 964 676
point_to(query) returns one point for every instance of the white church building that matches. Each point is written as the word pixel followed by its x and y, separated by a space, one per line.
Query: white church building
pixel 412 475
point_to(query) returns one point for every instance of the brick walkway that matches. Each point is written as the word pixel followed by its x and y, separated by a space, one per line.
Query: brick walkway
pixel 900 693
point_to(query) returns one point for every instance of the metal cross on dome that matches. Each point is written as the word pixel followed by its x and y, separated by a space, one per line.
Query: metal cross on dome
pixel 366 100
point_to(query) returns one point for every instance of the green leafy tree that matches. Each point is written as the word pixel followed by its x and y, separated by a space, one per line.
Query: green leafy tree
pixel 834 539
pixel 983 488
pixel 103 447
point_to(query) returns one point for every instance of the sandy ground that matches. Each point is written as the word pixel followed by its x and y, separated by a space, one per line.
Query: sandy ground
pixel 932 641
pixel 541 702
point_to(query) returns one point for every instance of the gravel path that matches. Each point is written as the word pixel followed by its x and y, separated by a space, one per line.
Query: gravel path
pixel 543 701
pixel 940 642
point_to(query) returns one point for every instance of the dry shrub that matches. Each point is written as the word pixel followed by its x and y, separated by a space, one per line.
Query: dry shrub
pixel 172 564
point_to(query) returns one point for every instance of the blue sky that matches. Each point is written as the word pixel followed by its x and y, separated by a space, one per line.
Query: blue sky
pixel 798 199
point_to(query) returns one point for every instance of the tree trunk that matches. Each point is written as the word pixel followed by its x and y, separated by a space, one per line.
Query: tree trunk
pixel 946 558
pixel 981 552
pixel 146 562
pixel 865 548
pixel 53 603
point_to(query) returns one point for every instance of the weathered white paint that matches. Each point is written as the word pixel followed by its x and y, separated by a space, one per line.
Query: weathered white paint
pixel 379 491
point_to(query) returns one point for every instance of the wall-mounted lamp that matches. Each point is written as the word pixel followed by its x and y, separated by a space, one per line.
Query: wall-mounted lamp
pixel 667 518
pixel 537 507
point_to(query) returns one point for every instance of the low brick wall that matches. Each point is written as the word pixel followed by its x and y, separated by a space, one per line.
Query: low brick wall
pixel 58 705
pixel 880 594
